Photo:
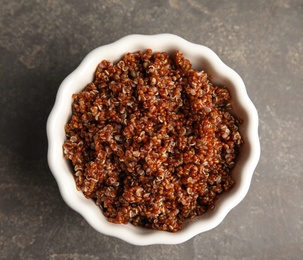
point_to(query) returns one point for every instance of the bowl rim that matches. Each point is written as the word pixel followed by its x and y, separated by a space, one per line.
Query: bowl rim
pixel 129 233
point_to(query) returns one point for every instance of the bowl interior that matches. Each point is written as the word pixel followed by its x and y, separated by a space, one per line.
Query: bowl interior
pixel 202 58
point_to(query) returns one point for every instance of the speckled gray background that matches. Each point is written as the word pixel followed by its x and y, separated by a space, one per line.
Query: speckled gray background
pixel 41 42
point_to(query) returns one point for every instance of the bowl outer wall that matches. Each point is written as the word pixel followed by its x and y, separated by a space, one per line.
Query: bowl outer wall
pixel 201 57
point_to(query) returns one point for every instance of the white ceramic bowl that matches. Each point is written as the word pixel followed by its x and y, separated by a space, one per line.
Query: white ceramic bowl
pixel 201 57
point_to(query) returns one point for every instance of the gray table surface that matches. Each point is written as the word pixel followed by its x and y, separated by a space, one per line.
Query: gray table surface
pixel 41 42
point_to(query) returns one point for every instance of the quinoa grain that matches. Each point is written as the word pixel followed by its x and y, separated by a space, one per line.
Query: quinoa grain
pixel 152 141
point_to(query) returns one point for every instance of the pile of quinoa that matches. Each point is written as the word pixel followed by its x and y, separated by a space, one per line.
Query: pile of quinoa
pixel 152 141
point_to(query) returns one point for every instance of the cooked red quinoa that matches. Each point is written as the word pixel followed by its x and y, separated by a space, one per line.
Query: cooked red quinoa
pixel 152 140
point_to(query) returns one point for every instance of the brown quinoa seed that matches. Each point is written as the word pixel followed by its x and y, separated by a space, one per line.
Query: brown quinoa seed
pixel 152 141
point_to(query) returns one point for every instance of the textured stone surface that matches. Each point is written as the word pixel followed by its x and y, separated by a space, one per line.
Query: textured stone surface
pixel 43 41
